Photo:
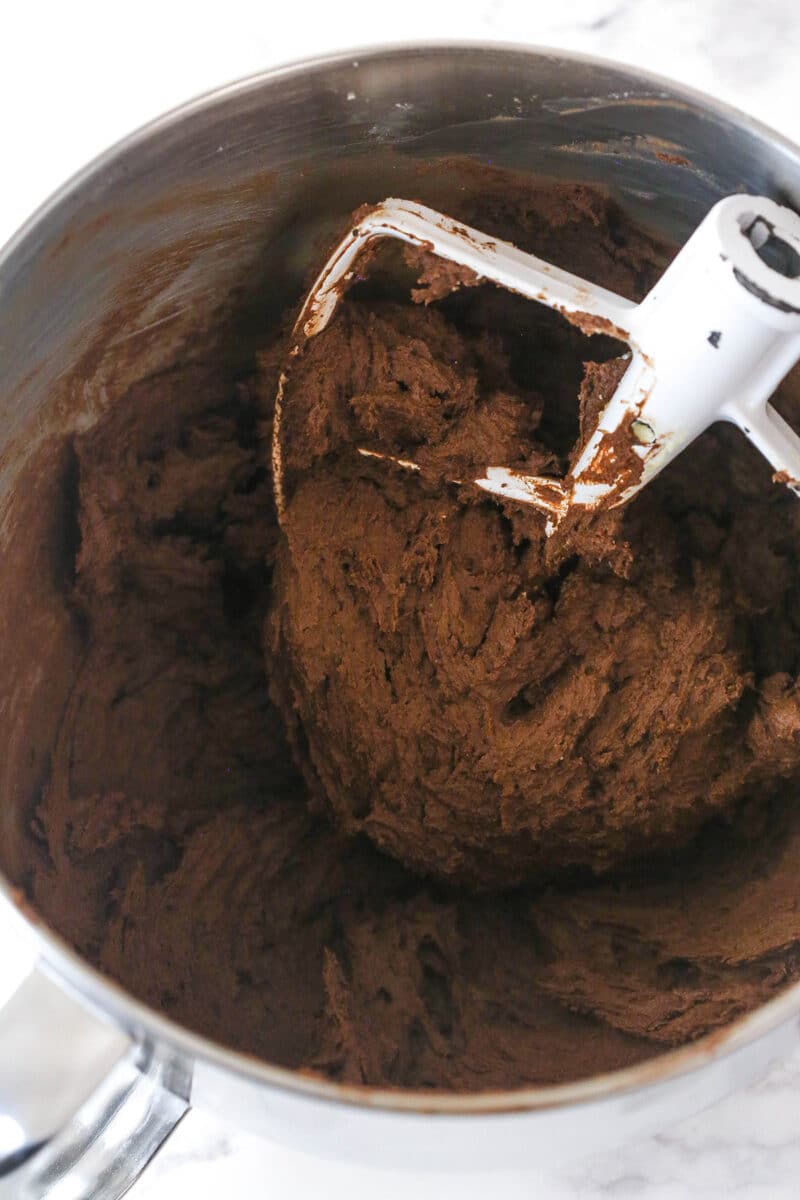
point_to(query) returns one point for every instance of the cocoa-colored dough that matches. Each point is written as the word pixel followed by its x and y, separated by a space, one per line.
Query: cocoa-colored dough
pixel 608 722
pixel 487 706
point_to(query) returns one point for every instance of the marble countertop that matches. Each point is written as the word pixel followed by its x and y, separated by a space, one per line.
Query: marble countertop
pixel 747 1148
pixel 108 69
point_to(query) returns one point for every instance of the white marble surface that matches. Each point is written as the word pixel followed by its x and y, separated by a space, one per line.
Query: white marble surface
pixel 77 76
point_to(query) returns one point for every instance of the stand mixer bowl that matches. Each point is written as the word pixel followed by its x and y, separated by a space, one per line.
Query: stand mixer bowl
pixel 179 229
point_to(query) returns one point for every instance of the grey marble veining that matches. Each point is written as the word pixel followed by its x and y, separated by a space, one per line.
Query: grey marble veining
pixel 748 1147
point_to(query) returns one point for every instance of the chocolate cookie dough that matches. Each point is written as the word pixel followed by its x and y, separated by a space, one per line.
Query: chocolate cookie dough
pixel 538 819
pixel 487 706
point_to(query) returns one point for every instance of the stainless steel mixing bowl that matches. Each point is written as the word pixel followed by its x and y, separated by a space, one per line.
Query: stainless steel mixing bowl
pixel 214 208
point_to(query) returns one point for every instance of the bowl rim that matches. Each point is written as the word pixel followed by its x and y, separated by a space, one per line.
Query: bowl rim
pixel 108 999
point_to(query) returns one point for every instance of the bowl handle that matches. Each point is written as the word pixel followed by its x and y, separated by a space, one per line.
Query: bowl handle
pixel 84 1105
